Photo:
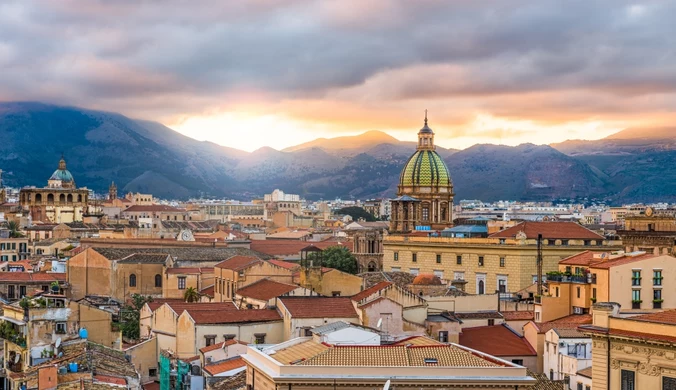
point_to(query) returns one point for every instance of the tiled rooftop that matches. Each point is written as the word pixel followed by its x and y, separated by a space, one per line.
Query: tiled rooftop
pixel 152 208
pixel 319 307
pixel 145 258
pixel 276 247
pixel 568 322
pixel 190 270
pixel 206 317
pixel 370 291
pixel 418 340
pixel 225 365
pixel 238 262
pixel 518 315
pixel 32 277
pixel 220 345
pixel 549 230
pixel 586 372
pixel 477 315
pixel 266 289
pixel 496 340
pixel 284 264
pixel 401 279
pixel 299 352
pixel 186 253
pixel 663 317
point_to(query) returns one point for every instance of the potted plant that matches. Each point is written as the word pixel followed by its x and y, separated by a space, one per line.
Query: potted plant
pixel 55 287
pixel 657 303
pixel 636 303
pixel 593 300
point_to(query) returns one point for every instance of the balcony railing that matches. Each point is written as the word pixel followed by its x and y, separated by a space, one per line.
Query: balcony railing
pixel 569 278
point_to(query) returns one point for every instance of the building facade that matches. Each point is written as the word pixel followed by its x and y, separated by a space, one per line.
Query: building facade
pixel 425 192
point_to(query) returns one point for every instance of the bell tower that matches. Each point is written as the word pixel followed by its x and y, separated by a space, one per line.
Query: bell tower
pixel 112 191
pixel 426 137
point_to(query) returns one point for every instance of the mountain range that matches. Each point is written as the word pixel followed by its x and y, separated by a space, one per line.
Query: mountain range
pixel 142 156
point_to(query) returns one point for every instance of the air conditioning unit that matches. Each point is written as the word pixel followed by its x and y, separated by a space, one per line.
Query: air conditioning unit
pixel 577 310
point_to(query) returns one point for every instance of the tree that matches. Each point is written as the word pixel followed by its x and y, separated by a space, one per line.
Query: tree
pixel 130 316
pixel 191 295
pixel 356 213
pixel 340 258
pixel 14 231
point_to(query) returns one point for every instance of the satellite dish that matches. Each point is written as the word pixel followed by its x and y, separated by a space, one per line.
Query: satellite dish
pixel 58 342
pixel 17 357
pixel 380 322
pixel 387 385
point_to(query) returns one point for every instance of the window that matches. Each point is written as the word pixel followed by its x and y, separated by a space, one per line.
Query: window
pixel 594 293
pixel 227 337
pixel 657 277
pixel 578 292
pixel 426 214
pixel 627 380
pixel 502 262
pixel 335 293
pixel 396 256
pixel 60 328
pixel 668 383
pixel 579 386
pixel 415 271
pixel 396 269
pixel 518 361
pixel 439 274
pixel 415 257
pixel 564 242
pixel 551 242
pixel 438 259
pixel 657 295
pixel 587 387
pixel 132 280
pixel 635 295
pixel 557 292
pixel 459 276
pixel 152 372
pixel 491 322
pixel 481 261
pixel 593 279
pixel 158 280
pixel 636 278
pixel 586 243
pixel 260 338
pixel 210 340
pixel 443 336
pixel 181 282
pixel 502 285
pixel 458 260
pixel 551 374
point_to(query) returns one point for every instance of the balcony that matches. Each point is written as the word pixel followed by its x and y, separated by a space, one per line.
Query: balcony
pixel 636 305
pixel 562 278
pixel 657 304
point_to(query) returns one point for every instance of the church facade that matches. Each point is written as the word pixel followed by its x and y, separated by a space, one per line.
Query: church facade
pixel 60 202
pixel 425 192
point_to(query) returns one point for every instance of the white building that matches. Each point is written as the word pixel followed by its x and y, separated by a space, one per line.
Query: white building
pixel 567 351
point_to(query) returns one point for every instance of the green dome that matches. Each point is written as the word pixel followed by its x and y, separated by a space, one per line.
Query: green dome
pixel 425 169
pixel 61 174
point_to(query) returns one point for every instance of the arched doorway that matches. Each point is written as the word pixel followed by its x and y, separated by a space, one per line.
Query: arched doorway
pixel 481 287
pixel 372 267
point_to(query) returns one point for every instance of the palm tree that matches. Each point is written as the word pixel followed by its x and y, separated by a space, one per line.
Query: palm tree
pixel 191 295
pixel 13 228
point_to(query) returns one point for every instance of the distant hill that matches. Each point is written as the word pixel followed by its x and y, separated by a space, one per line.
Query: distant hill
pixel 147 156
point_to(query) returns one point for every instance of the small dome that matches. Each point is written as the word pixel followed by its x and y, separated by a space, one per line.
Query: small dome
pixel 426 169
pixel 427 280
pixel 63 175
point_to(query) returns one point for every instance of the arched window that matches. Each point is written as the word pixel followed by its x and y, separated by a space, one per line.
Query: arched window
pixel 79 198
pixel 50 198
pixel 38 198
pixel 62 198
pixel 132 280
pixel 372 267
pixel 70 198
pixel 158 280
pixel 481 287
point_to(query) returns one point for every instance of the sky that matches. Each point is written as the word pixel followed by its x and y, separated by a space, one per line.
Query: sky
pixel 248 74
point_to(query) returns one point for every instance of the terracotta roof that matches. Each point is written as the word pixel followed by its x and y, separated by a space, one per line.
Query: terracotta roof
pixel 568 322
pixel 179 306
pixel 225 365
pixel 191 359
pixel 284 264
pixel 221 345
pixel 627 334
pixel 418 340
pixel 427 280
pixel 370 291
pixel 190 270
pixel 292 247
pixel 110 379
pixel 549 230
pixel 157 302
pixel 238 262
pixel 622 261
pixel 401 279
pixel 568 333
pixel 586 372
pixel 399 356
pixel 319 307
pixel 663 317
pixel 206 317
pixel 299 352
pixel 377 300
pixel 585 258
pixel 152 208
pixel 32 277
pixel 180 253
pixel 209 291
pixel 266 289
pixel 477 315
pixel 518 315
pixel 145 258
pixel 496 340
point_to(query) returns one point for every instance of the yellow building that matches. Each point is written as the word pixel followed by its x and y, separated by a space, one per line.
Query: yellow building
pixel 177 280
pixel 633 352
pixel 634 280
pixel 329 282
pixel 238 271
pixel 59 202
pixel 505 261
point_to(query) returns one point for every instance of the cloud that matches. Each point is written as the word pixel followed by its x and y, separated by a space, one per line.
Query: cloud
pixel 350 64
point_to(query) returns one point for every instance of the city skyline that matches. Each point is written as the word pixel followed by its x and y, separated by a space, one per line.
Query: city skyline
pixel 292 71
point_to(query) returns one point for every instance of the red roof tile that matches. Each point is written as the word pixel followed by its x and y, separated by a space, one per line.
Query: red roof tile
pixel 427 280
pixel 190 270
pixel 663 317
pixel 622 261
pixel 568 322
pixel 266 289
pixel 284 264
pixel 152 208
pixel 630 334
pixel 224 366
pixel 518 315
pixel 205 317
pixel 32 277
pixel 319 307
pixel 585 258
pixel 179 307
pixel 549 230
pixel 370 291
pixel 238 262
pixel 221 345
pixel 110 379
pixel 209 291
pixel 496 340
pixel 157 302
pixel 292 247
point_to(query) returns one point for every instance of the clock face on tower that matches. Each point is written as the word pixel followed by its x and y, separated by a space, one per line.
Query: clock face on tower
pixel 185 235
